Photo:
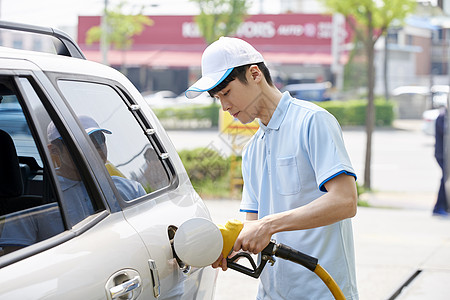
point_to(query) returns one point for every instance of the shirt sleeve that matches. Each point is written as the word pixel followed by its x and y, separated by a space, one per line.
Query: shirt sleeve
pixel 249 201
pixel 128 189
pixel 326 149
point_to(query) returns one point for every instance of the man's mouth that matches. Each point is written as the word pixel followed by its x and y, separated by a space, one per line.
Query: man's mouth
pixel 235 115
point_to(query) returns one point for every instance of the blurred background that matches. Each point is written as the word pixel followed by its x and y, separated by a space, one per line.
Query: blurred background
pixel 384 78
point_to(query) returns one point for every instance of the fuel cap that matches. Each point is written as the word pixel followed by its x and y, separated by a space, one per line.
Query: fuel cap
pixel 198 242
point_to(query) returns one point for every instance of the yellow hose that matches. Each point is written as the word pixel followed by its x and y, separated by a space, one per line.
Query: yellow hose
pixel 329 281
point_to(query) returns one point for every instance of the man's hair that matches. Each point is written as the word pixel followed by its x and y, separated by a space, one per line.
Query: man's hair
pixel 239 73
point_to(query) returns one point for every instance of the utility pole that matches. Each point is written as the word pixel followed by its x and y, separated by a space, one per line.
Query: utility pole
pixel 338 36
pixel 104 45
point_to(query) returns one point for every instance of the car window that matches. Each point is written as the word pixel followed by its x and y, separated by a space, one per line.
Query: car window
pixel 29 210
pixel 135 167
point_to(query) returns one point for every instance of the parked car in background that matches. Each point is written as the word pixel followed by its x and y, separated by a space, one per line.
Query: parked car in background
pixel 439 99
pixel 164 99
pixel 12 120
pixel 319 91
pixel 429 121
pixel 439 95
pixel 92 190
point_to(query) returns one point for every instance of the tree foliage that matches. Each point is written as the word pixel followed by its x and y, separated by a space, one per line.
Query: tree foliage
pixel 220 17
pixel 369 19
pixel 363 15
pixel 121 27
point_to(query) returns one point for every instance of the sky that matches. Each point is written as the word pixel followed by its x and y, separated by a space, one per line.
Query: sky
pixel 64 13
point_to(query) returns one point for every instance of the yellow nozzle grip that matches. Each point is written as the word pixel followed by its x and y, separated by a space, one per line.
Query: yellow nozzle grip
pixel 230 233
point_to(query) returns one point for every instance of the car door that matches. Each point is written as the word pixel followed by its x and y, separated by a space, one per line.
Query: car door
pixel 139 150
pixel 50 248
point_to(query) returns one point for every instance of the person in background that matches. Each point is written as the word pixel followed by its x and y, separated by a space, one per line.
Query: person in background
pixel 299 184
pixel 441 206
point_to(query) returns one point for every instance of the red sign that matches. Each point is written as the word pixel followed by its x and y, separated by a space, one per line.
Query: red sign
pixel 281 32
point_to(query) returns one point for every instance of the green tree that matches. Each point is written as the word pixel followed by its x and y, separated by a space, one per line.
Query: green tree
pixel 120 29
pixel 220 17
pixel 369 19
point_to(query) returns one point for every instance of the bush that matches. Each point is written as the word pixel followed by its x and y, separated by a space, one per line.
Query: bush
pixel 203 163
pixel 208 171
pixel 353 112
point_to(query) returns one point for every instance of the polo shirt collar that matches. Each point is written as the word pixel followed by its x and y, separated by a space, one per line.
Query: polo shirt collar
pixel 279 113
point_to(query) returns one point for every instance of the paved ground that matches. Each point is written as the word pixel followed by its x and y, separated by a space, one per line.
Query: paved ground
pixel 390 244
pixel 395 238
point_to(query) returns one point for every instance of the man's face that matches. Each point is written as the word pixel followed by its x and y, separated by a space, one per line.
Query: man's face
pixel 62 160
pixel 99 141
pixel 241 100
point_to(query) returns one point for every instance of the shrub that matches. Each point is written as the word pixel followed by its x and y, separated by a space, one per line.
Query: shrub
pixel 203 163
pixel 353 112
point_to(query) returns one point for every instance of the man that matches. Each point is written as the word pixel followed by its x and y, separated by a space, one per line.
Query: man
pixel 441 207
pixel 66 169
pixel 299 185
pixel 45 221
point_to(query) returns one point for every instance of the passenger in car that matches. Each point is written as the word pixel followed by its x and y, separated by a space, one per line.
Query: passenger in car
pixel 128 189
pixel 31 226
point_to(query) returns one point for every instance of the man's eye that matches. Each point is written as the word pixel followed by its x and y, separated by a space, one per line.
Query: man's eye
pixel 226 93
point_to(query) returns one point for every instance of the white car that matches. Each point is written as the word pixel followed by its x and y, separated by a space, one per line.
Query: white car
pixel 92 190
pixel 429 121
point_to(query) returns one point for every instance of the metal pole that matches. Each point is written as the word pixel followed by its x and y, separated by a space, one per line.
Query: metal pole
pixel 338 35
pixel 104 45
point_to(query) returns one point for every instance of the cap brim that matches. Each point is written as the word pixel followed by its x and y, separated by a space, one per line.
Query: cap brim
pixel 206 83
pixel 92 130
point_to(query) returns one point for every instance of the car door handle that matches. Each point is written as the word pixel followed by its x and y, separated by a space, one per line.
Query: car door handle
pixel 126 287
pixel 155 278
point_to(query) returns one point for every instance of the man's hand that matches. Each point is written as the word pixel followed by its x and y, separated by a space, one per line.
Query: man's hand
pixel 220 262
pixel 254 237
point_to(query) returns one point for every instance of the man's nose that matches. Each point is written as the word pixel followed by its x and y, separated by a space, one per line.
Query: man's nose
pixel 225 105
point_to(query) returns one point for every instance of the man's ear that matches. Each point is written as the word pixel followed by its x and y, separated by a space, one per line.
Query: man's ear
pixel 255 73
pixel 55 154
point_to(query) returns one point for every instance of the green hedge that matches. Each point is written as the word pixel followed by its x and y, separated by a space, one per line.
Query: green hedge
pixel 208 171
pixel 353 112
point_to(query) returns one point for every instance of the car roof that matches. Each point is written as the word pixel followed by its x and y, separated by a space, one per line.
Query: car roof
pixel 52 63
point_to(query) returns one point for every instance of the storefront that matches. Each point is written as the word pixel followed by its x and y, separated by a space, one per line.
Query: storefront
pixel 167 55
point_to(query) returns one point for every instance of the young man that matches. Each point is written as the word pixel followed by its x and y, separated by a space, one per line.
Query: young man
pixel 299 185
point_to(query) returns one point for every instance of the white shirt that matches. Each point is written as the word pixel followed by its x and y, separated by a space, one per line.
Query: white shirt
pixel 285 166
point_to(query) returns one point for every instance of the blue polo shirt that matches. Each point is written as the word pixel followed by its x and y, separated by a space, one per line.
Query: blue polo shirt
pixel 285 166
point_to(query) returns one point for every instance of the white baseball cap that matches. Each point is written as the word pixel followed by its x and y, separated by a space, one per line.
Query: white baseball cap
pixel 89 125
pixel 219 59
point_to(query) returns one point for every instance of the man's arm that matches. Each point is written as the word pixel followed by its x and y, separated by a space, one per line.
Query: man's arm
pixel 338 203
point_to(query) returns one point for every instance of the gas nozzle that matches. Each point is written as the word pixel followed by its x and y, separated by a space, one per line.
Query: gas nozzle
pixel 230 232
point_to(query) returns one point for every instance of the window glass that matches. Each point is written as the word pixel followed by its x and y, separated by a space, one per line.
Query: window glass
pixel 29 210
pixel 131 160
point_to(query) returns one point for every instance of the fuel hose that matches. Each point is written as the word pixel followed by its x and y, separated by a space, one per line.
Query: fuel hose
pixel 311 263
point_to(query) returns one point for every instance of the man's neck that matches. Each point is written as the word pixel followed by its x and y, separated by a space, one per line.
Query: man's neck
pixel 269 102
